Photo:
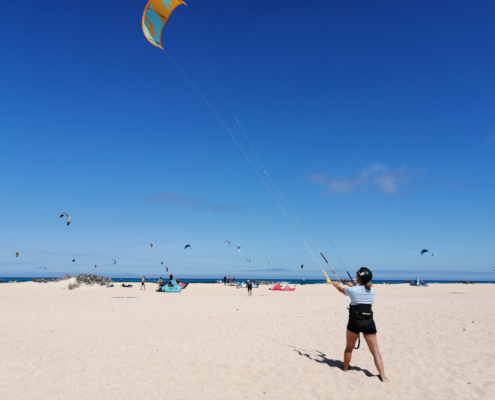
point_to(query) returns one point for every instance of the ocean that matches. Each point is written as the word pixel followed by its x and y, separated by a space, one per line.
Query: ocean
pixel 199 280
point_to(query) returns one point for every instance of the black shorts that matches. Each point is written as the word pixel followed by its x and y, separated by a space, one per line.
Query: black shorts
pixel 366 326
pixel 142 283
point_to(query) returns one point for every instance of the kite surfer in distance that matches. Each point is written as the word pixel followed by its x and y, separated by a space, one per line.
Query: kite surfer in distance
pixel 361 318
pixel 142 283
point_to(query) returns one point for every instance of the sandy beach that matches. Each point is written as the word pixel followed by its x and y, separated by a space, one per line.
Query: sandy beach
pixel 215 342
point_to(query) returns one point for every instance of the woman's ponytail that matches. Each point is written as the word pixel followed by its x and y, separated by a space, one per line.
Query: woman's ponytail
pixel 368 286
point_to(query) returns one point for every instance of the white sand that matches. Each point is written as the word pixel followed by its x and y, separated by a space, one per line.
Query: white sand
pixel 214 342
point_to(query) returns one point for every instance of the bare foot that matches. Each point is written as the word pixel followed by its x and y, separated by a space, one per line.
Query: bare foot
pixel 384 380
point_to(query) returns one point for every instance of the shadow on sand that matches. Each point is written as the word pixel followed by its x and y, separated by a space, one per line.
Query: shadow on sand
pixel 322 359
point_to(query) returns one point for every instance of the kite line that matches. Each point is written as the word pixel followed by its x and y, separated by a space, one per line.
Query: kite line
pixel 155 16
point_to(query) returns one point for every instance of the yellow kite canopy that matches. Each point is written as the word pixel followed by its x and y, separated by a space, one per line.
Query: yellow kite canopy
pixel 155 15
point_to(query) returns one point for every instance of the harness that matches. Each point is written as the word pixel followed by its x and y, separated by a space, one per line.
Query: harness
pixel 360 312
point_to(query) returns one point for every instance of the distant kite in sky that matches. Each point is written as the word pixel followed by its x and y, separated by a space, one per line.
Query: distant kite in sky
pixel 424 251
pixel 239 248
pixel 68 218
pixel 167 269
pixel 302 266
pixel 247 259
pixel 73 260
pixel 95 266
pixel 17 254
pixel 433 254
pixel 151 245
pixel 227 242
pixel 161 263
pixel 114 262
pixel 187 246
pixel 41 268
pixel 155 15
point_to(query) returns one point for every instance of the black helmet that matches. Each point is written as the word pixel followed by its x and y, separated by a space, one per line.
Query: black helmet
pixel 364 275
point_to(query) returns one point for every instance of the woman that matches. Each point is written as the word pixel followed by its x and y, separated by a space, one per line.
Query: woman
pixel 361 318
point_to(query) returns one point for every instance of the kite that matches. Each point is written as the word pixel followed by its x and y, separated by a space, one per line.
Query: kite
pixel 73 260
pixel 227 242
pixel 187 246
pixel 239 248
pixel 95 266
pixel 151 245
pixel 161 263
pixel 302 266
pixel 114 262
pixel 17 254
pixel 41 268
pixel 167 269
pixel 155 15
pixel 179 259
pixel 68 218
pixel 424 251
pixel 433 254
pixel 247 259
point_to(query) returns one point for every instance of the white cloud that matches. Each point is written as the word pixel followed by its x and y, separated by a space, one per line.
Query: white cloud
pixel 184 200
pixel 226 207
pixel 176 199
pixel 374 176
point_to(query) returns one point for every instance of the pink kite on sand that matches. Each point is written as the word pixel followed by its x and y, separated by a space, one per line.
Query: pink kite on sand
pixel 285 289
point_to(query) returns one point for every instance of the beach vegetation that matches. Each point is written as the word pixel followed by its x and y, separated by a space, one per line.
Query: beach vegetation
pixel 73 286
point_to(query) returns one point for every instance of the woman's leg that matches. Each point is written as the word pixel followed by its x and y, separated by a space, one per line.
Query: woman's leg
pixel 372 342
pixel 351 342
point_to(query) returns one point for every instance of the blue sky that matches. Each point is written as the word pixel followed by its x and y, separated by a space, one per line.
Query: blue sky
pixel 376 121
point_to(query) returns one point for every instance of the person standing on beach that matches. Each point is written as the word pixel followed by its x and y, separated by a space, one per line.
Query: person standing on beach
pixel 225 280
pixel 142 283
pixel 361 318
pixel 249 286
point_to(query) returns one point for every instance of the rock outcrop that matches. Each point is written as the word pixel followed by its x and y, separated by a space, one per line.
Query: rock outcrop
pixel 93 280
